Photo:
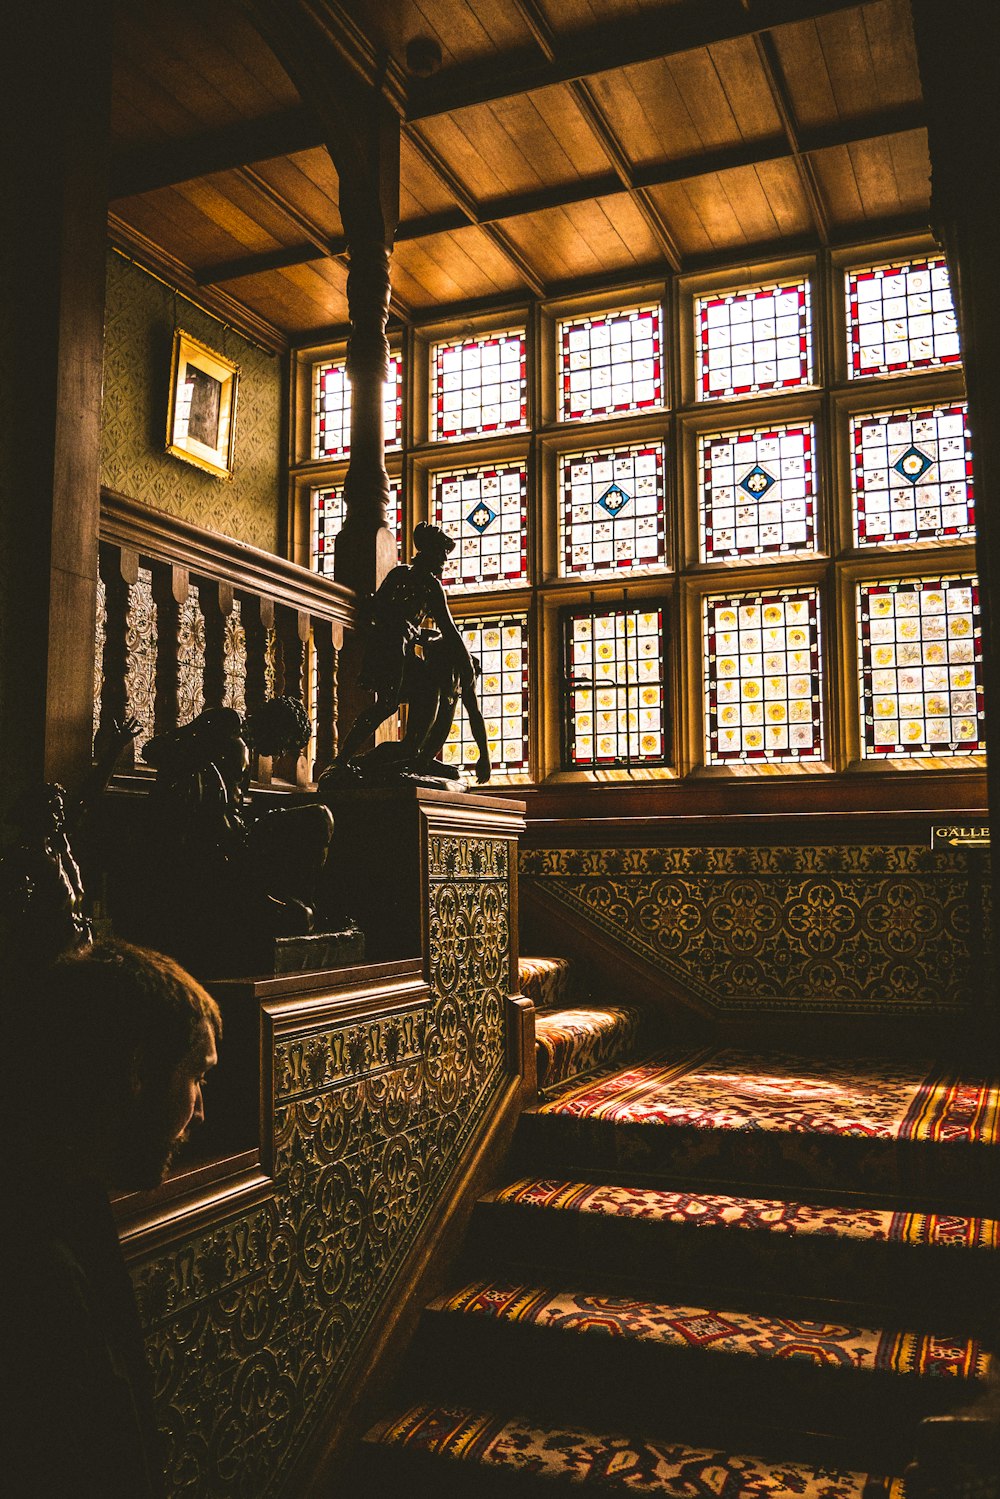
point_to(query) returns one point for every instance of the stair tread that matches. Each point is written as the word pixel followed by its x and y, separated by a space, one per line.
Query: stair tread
pixel 613 1460
pixel 949 1231
pixel 547 981
pixel 729 1090
pixel 721 1331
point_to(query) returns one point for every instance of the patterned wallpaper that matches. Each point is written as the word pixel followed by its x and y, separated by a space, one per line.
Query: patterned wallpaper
pixel 139 323
pixel 251 1324
pixel 862 929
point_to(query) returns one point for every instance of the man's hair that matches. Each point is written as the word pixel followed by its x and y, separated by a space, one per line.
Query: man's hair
pixel 114 1007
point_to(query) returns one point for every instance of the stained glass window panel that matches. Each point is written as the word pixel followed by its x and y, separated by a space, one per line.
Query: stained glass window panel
pixel 762 677
pixel 920 664
pixel 332 408
pixel 912 476
pixel 500 645
pixel 610 364
pixel 612 510
pixel 614 688
pixel 758 492
pixel 485 510
pixel 755 341
pixel 327 507
pixel 479 386
pixel 900 318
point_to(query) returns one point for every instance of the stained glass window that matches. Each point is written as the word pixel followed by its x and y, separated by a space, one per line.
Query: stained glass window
pixel 479 386
pixel 899 318
pixel 758 492
pixel 612 510
pixel 751 342
pixel 912 475
pixel 485 510
pixel 500 645
pixel 610 364
pixel 762 677
pixel 614 687
pixel 332 408
pixel 920 663
pixel 328 517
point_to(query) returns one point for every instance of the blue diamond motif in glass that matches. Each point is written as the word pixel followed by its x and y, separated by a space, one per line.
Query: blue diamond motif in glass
pixel 614 499
pixel 912 465
pixel 482 517
pixel 757 482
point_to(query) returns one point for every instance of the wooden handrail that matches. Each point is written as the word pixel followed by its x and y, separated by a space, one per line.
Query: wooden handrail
pixel 166 538
pixel 171 591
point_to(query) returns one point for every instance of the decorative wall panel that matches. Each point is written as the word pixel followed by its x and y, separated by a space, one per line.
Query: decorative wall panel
pixel 252 1324
pixel 863 929
pixel 140 318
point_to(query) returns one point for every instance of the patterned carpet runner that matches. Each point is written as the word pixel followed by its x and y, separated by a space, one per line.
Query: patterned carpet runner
pixel 745 1091
pixel 729 1333
pixel 772 1215
pixel 614 1460
pixel 572 1037
pixel 736 1251
pixel 572 1042
pixel 548 982
pixel 724 1116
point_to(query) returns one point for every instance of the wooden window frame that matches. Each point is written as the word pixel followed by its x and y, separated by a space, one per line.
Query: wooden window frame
pixel 834 566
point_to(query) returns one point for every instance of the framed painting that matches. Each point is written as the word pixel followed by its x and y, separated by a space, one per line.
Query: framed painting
pixel 201 417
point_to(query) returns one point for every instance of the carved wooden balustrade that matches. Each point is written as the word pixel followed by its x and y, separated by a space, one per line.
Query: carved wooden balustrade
pixel 188 619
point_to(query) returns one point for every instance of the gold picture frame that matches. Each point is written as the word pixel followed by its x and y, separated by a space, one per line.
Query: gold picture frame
pixel 201 417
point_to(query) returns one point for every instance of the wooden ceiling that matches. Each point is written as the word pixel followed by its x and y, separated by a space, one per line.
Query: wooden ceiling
pixel 561 143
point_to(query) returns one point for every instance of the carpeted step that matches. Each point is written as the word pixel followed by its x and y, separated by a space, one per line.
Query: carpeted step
pixel 739 1121
pixel 595 1352
pixel 571 1043
pixel 915 1263
pixel 549 982
pixel 456 1451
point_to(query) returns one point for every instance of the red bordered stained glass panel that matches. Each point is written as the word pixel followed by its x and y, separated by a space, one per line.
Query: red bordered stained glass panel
pixel 611 364
pixel 327 517
pixel 920 664
pixel 614 702
pixel 479 386
pixel 754 341
pixel 500 644
pixel 763 697
pixel 485 510
pixel 900 317
pixel 912 476
pixel 612 513
pixel 758 492
pixel 331 437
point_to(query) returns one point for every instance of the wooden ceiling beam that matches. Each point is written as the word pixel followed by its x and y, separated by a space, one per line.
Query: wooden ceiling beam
pixel 469 208
pixel 665 32
pixel 595 50
pixel 770 63
pixel 615 151
pixel 583 189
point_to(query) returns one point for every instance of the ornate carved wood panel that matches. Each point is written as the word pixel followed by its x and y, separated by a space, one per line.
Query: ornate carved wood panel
pixel 839 928
pixel 252 1321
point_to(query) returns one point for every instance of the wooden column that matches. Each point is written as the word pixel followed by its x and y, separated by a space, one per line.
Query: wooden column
pixel 54 107
pixel 957 49
pixel 361 128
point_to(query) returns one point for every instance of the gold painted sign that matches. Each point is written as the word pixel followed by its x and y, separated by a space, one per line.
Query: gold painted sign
pixel 960 835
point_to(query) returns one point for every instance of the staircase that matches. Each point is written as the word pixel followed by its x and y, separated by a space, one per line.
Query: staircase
pixel 708 1272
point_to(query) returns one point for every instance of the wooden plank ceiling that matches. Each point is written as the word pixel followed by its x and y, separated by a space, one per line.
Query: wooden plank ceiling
pixel 561 142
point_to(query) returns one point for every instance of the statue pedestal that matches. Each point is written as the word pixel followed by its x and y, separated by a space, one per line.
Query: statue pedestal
pixel 392 845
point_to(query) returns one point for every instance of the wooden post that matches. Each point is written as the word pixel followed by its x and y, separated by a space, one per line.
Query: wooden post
pixel 54 107
pixel 365 549
pixel 957 49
